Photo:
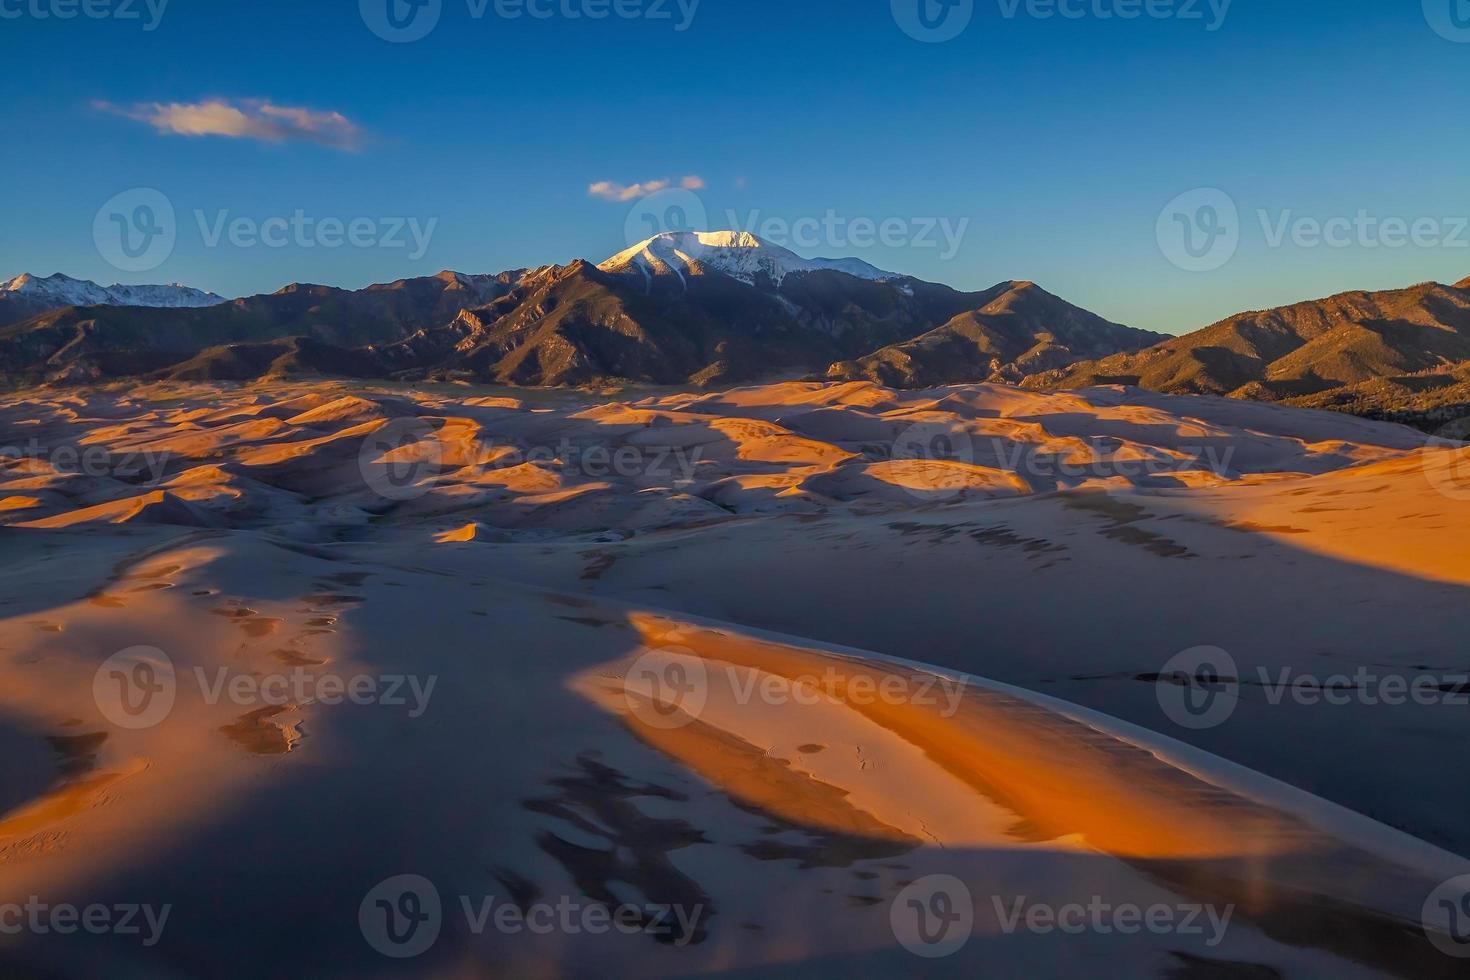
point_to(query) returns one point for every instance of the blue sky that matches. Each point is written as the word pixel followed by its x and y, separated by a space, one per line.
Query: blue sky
pixel 1056 143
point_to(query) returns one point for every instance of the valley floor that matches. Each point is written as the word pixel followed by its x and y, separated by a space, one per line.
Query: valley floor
pixel 800 680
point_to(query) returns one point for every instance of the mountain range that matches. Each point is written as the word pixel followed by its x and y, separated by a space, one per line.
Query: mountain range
pixel 680 308
pixel 724 308
pixel 1401 354
pixel 27 295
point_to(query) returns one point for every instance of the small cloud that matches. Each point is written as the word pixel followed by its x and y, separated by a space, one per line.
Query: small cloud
pixel 255 119
pixel 611 190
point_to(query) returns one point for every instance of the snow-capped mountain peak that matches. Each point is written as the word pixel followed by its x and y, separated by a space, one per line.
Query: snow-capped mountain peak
pixel 62 290
pixel 737 254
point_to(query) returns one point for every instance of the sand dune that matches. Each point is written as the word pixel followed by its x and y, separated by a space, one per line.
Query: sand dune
pixel 1013 568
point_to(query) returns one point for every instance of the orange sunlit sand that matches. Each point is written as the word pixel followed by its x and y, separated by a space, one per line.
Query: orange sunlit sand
pixel 527 551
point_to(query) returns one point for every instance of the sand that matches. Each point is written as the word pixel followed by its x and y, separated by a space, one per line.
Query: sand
pixel 509 578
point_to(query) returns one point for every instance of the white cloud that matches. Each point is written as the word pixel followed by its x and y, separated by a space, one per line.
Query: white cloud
pixel 244 119
pixel 611 190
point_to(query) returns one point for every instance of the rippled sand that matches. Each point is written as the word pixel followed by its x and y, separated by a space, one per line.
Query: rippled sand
pixel 522 569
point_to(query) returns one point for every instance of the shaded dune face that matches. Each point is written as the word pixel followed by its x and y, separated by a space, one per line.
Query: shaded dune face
pixel 527 551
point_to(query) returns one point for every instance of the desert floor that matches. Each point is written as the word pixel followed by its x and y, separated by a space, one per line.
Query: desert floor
pixel 773 660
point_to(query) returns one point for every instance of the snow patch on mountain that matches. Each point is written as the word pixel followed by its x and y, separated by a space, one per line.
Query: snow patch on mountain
pixel 737 254
pixel 60 290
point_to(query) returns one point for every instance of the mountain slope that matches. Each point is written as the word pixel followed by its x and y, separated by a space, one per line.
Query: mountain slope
pixel 1022 330
pixel 707 309
pixel 1299 350
pixel 579 324
pixel 94 342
